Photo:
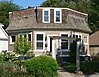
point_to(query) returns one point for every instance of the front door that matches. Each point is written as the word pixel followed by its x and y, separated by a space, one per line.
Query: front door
pixel 50 43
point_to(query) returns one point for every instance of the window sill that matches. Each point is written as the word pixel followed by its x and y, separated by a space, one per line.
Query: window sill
pixel 11 43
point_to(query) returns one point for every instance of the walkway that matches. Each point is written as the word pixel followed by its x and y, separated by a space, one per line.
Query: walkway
pixel 63 73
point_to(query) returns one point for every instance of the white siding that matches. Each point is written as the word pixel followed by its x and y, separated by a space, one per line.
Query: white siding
pixel 3 39
pixel 3 33
pixel 3 45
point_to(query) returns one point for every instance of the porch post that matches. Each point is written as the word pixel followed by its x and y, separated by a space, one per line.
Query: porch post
pixel 53 49
pixel 77 58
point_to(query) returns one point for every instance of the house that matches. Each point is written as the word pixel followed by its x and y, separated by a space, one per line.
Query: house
pixel 40 23
pixel 94 43
pixel 3 39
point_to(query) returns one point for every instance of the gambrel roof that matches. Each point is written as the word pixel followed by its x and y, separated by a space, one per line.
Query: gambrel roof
pixel 28 20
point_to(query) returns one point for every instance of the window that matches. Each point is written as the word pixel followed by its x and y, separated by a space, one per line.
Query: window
pixel 85 39
pixel 46 16
pixel 12 39
pixel 57 16
pixel 76 36
pixel 39 41
pixel 29 37
pixel 25 36
pixel 64 43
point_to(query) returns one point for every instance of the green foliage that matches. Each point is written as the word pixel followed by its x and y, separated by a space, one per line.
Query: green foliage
pixel 6 69
pixel 1 57
pixel 91 7
pixel 88 67
pixel 22 45
pixel 73 52
pixel 42 66
pixel 70 67
pixel 8 56
pixel 5 8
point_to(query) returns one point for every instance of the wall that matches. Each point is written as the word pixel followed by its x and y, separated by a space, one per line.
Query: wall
pixel 3 39
pixel 3 45
pixel 94 50
pixel 58 33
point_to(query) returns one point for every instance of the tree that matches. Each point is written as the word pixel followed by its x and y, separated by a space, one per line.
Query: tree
pixel 5 8
pixel 94 15
pixel 22 45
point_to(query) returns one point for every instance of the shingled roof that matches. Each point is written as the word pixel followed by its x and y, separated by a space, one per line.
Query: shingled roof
pixel 94 39
pixel 26 19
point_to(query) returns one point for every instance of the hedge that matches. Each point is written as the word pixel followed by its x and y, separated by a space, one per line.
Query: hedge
pixel 42 66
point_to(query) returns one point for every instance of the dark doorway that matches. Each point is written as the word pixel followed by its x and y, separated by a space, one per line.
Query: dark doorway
pixel 50 44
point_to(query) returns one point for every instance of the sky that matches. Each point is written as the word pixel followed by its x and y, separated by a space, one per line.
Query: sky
pixel 26 3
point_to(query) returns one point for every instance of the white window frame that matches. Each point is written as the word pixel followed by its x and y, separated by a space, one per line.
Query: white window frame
pixel 19 35
pixel 46 9
pixel 68 41
pixel 55 15
pixel 75 33
pixel 36 41
pixel 86 39
pixel 26 35
pixel 11 39
pixel 48 40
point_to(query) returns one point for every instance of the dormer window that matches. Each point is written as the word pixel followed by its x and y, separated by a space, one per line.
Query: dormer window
pixel 46 15
pixel 57 16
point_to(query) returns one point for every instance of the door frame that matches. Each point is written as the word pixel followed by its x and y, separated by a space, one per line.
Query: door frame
pixel 48 40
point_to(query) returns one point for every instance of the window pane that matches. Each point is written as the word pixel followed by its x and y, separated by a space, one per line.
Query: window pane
pixel 39 45
pixel 79 36
pixel 39 36
pixel 46 13
pixel 64 35
pixel 85 39
pixel 25 36
pixel 46 17
pixel 58 16
pixel 76 36
pixel 29 37
pixel 73 35
pixel 13 38
pixel 64 45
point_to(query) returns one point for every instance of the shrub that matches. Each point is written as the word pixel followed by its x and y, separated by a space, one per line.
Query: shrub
pixel 6 69
pixel 70 67
pixel 95 57
pixel 72 58
pixel 42 66
pixel 88 67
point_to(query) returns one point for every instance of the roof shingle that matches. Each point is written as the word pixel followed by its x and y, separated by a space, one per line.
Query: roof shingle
pixel 26 19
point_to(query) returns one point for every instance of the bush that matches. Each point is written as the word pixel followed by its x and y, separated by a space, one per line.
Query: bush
pixel 42 66
pixel 6 69
pixel 70 67
pixel 88 67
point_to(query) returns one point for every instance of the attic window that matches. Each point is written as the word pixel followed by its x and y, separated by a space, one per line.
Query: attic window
pixel 46 16
pixel 57 16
